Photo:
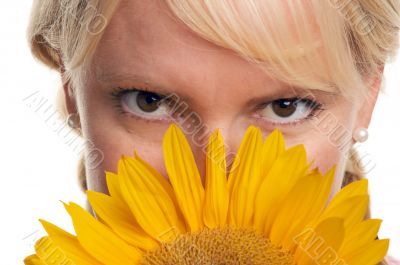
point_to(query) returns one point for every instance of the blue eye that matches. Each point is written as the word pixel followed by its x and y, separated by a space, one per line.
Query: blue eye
pixel 144 104
pixel 289 110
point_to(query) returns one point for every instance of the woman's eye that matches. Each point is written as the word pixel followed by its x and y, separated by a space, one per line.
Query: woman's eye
pixel 144 104
pixel 289 110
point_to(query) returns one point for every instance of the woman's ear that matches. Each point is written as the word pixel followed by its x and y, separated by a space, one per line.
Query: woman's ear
pixel 68 103
pixel 69 93
pixel 367 104
pixel 69 98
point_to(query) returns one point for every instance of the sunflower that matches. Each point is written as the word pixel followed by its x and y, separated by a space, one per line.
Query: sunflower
pixel 271 209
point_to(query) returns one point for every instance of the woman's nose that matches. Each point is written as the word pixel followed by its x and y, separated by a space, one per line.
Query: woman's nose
pixel 198 141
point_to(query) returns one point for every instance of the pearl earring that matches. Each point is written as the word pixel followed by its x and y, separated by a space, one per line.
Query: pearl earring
pixel 360 135
pixel 73 120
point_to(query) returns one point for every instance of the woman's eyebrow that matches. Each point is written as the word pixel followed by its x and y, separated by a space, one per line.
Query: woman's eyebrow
pixel 120 77
pixel 285 91
pixel 139 81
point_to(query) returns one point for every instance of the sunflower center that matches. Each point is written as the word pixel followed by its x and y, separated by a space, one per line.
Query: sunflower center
pixel 219 247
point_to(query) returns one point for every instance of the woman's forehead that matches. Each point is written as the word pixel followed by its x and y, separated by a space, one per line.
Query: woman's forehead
pixel 144 38
pixel 144 28
pixel 152 20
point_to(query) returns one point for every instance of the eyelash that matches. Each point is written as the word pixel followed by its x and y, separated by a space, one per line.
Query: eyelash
pixel 116 96
pixel 316 107
pixel 118 92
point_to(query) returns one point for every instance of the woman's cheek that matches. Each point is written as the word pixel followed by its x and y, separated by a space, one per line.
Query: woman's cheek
pixel 325 155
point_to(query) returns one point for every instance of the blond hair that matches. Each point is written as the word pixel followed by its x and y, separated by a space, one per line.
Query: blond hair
pixel 354 37
pixel 333 44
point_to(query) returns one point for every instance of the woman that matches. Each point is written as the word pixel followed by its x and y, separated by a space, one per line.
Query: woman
pixel 313 69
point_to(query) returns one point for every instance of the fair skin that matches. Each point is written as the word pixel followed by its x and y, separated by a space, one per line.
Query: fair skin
pixel 144 47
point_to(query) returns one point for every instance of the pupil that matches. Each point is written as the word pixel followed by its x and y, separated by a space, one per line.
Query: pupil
pixel 284 107
pixel 147 101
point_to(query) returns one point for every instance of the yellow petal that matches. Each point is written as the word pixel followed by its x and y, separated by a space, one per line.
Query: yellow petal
pixel 371 254
pixel 363 234
pixel 356 188
pixel 351 210
pixel 49 253
pixel 273 147
pixel 317 245
pixel 312 209
pixel 146 167
pixel 148 200
pixel 33 260
pixel 64 245
pixel 288 168
pixel 302 204
pixel 184 176
pixel 216 201
pixel 244 178
pixel 113 185
pixel 99 241
pixel 324 190
pixel 119 218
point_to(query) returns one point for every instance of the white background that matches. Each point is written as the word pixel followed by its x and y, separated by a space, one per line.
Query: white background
pixel 38 170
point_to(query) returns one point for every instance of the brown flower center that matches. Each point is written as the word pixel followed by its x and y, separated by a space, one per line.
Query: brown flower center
pixel 219 247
